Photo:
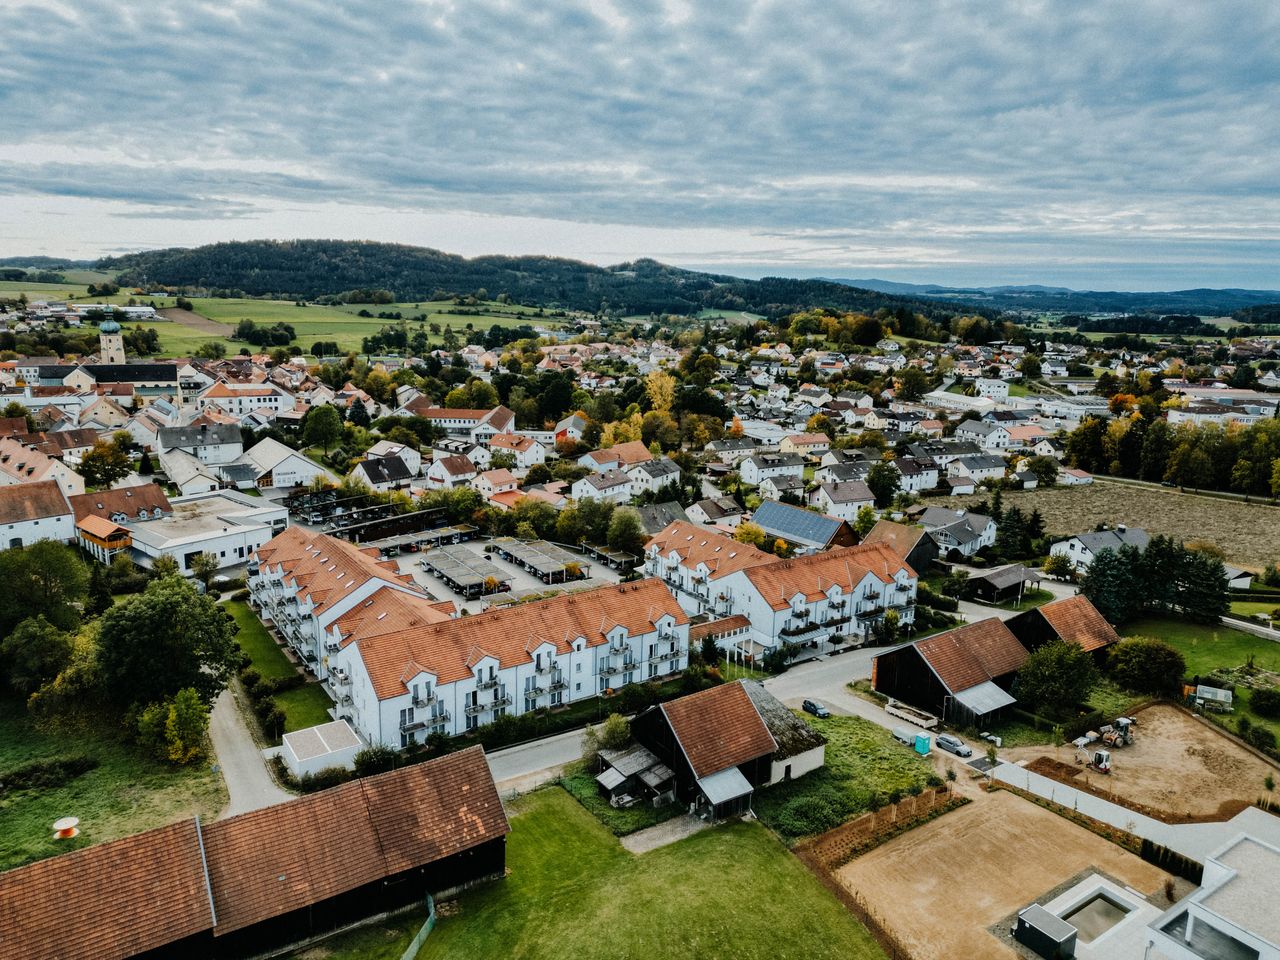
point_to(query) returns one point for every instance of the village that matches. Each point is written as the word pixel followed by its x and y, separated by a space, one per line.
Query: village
pixel 650 597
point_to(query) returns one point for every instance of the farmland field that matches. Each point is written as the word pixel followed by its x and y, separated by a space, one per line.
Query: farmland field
pixel 1244 531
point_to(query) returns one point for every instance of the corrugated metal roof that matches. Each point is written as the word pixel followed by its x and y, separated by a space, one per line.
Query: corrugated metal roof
pixel 728 784
pixel 984 698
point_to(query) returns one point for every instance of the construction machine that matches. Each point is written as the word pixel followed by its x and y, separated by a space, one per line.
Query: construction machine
pixel 1118 734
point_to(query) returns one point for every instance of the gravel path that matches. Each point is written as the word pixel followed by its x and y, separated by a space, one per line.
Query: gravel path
pixel 659 835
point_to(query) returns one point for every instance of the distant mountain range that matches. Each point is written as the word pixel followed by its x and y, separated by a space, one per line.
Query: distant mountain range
pixel 1201 302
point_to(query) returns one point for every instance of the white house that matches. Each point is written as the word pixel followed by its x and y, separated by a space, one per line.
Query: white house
pixel 959 530
pixel 449 472
pixel 613 486
pixel 525 450
pixel 34 511
pixel 758 466
pixel 388 448
pixel 208 443
pixel 23 463
pixel 1082 548
pixel 721 511
pixel 652 475
pixel 269 463
pixel 241 399
pixel 843 500
pixel 383 473
pixel 493 482
pixel 977 469
pixel 478 426
pixel 226 524
pixel 992 389
pixel 989 436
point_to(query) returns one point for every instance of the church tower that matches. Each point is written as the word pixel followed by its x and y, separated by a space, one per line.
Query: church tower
pixel 110 342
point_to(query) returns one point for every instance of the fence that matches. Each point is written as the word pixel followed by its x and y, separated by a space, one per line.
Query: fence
pixel 837 847
pixel 420 938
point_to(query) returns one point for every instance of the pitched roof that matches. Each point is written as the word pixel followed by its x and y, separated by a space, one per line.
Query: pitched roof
pixel 385 469
pixel 973 654
pixel 511 441
pixel 1078 621
pixel 848 491
pixel 898 537
pixel 449 648
pixel 718 728
pixel 796 524
pixel 697 545
pixel 792 734
pixel 21 502
pixel 130 372
pixel 325 568
pixel 126 500
pixel 631 452
pixel 199 435
pixel 108 901
pixel 815 574
pixel 457 465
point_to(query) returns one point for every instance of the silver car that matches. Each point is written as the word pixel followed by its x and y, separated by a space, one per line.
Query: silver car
pixel 945 741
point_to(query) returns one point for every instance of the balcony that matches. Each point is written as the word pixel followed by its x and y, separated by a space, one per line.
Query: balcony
pixel 490 684
pixel 341 678
pixel 557 685
pixel 408 725
pixel 547 666
pixel 532 693
pixel 439 719
pixel 618 646
pixel 870 613
pixel 332 646
pixel 471 709
pixel 672 654
pixel 425 699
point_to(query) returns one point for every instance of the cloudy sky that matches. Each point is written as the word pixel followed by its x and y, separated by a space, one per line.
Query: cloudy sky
pixel 1110 145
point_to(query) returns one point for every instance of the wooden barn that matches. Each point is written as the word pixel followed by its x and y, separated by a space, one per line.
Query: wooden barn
pixel 1073 619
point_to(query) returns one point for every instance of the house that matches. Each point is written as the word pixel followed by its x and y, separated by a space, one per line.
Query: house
pixel 992 389
pixel 100 517
pixel 525 451
pixel 242 399
pixel 22 463
pixel 843 500
pixel 962 675
pixel 978 468
pixel 1082 548
pixel 988 436
pixel 400 675
pixel 613 486
pixel 779 488
pixel 650 476
pixel 960 531
pixel 388 448
pixel 214 889
pixel 805 444
pixel 692 561
pixel 1004 583
pixel 226 524
pixel 916 473
pixel 492 483
pixel 803 530
pixel 1230 915
pixel 622 456
pixel 758 466
pixel 187 473
pixel 270 463
pixel 382 473
pixel 720 746
pixel 721 511
pixel 30 512
pixel 571 429
pixel 656 517
pixel 914 544
pixel 1073 477
pixel 478 426
pixel 449 472
pixel 730 451
pixel 1072 620
pixel 216 443
pixel 1050 447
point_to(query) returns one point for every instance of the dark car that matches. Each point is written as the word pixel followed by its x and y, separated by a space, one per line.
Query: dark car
pixel 816 708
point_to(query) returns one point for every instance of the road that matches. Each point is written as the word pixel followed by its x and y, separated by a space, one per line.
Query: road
pixel 243 768
pixel 521 768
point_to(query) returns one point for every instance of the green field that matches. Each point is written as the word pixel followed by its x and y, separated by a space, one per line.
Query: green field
pixel 303 706
pixel 127 793
pixel 730 892
pixel 41 291
pixel 863 763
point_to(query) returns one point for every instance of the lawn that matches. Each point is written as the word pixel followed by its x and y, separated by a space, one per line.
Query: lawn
pixel 735 671
pixel 125 794
pixel 864 763
pixel 40 291
pixel 1211 648
pixel 1251 608
pixel 572 891
pixel 303 706
pixel 1030 600
pixel 582 786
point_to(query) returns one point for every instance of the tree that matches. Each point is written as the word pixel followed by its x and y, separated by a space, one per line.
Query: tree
pixel 34 653
pixel 1059 676
pixel 186 727
pixel 615 732
pixel 1045 470
pixel 211 350
pixel 884 480
pixel 99 598
pixel 145 467
pixel 750 533
pixel 1146 665
pixel 166 639
pixel 204 567
pixel 735 429
pixel 865 520
pixel 358 414
pixel 710 652
pixel 323 426
pixel 912 384
pixel 165 565
pixel 1109 584
pixel 46 579
pixel 1060 566
pixel 660 388
pixel 626 532
pixel 104 465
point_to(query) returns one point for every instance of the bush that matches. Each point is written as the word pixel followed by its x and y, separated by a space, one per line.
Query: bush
pixel 375 759
pixel 637 696
pixel 324 779
pixel 1266 702
pixel 249 677
pixel 1262 738
pixel 46 774
pixel 1146 665
pixel 926 597
pixel 240 595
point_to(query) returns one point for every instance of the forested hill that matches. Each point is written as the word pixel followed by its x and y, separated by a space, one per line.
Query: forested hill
pixel 312 269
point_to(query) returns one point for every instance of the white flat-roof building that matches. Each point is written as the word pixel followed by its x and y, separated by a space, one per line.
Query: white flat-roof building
pixel 228 524
pixel 320 747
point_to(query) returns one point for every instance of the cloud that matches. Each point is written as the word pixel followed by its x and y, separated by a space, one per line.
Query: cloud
pixel 1009 133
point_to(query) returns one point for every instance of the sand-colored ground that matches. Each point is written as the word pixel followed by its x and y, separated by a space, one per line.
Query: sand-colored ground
pixel 1176 765
pixel 940 886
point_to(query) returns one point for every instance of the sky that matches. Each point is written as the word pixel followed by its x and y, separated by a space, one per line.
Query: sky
pixel 1098 145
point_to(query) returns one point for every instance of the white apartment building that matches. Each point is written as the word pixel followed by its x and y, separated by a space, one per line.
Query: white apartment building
pixel 761 465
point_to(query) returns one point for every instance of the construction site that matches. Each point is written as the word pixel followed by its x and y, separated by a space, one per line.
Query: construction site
pixel 1167 763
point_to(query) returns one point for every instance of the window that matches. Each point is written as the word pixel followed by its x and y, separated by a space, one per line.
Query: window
pixel 472 721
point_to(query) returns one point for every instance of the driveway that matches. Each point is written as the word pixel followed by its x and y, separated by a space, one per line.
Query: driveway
pixel 243 767
pixel 521 768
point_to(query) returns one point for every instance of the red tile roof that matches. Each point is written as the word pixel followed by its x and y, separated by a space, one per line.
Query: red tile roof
pixel 127 500
pixel 719 728
pixel 973 654
pixel 325 568
pixel 1078 621
pixel 813 575
pixel 697 545
pixel 41 500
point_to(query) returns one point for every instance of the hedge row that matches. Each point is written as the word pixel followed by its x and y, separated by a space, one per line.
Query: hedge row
pixel 46 774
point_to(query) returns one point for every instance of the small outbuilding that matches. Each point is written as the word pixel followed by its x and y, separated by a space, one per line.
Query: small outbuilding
pixel 320 747
pixel 1046 935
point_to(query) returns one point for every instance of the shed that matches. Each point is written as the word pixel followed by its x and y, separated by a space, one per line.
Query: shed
pixel 320 747
pixel 1048 936
pixel 1214 698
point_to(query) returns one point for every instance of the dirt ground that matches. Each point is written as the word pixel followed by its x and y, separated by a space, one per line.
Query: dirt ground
pixel 1245 531
pixel 1176 765
pixel 940 886
pixel 196 321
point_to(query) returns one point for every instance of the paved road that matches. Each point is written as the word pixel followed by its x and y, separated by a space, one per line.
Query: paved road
pixel 241 762
pixel 521 768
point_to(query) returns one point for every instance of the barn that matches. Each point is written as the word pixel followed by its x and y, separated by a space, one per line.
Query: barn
pixel 1073 620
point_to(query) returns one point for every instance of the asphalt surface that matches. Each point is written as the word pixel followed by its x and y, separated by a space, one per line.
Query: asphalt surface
pixel 240 761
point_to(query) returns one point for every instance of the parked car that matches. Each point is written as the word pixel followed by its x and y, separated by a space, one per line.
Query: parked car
pixel 816 708
pixel 953 744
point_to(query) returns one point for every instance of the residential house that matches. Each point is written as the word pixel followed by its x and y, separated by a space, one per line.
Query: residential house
pixel 449 472
pixel 271 464
pixel 978 468
pixel 721 511
pixel 613 486
pixel 692 561
pixel 571 429
pixel 35 511
pixel 989 436
pixel 622 456
pixel 382 473
pixel 917 473
pixel 100 517
pixel 843 500
pixel 914 544
pixel 779 488
pixel 730 451
pixel 478 426
pixel 960 531
pixel 525 451
pixel 803 530
pixel 650 476
pixel 217 443
pixel 242 399
pixel 1082 548
pixel 806 444
pixel 757 467
pixel 656 517
pixel 22 463
pixel 406 454
pixel 493 483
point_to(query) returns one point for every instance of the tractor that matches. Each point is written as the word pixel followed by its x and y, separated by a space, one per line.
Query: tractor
pixel 1118 734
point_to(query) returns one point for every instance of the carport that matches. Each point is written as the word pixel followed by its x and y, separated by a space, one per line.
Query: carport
pixel 465 572
pixel 726 793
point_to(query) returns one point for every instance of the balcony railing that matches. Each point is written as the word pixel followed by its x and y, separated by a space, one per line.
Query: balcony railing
pixel 341 679
pixel 800 629
pixel 489 684
pixel 547 666
pixel 407 725
pixel 425 699
pixel 558 685
pixel 870 613
pixel 667 655
pixel 532 693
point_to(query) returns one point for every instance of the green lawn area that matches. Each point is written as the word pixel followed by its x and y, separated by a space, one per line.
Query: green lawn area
pixel 1015 731
pixel 729 892
pixel 125 794
pixel 734 671
pixel 303 706
pixel 41 291
pixel 1030 600
pixel 582 786
pixel 862 759
pixel 1210 648
pixel 1249 608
